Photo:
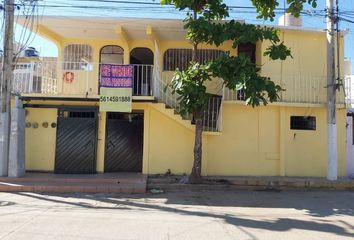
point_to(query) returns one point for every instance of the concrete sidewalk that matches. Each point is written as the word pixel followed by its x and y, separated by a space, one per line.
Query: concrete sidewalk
pixel 137 183
pixel 204 215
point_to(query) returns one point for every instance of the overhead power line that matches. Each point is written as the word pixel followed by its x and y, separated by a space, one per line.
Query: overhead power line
pixel 118 1
pixel 156 7
pixel 346 20
pixel 152 5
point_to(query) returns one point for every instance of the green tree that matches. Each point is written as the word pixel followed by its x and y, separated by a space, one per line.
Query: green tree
pixel 204 24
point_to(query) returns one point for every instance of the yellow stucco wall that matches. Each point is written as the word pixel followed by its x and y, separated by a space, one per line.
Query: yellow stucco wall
pixel 254 142
pixel 306 149
pixel 101 135
pixel 40 142
pixel 249 144
pixel 170 145
pixel 160 133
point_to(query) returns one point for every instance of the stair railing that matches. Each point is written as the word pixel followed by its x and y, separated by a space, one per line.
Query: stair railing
pixel 212 117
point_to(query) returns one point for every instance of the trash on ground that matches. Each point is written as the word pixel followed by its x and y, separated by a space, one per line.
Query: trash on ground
pixel 156 190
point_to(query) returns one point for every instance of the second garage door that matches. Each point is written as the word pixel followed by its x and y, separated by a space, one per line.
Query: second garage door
pixel 124 142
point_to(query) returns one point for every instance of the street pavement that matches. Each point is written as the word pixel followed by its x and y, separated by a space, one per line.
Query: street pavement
pixel 215 214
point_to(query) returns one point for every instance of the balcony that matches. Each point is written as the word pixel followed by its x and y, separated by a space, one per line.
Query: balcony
pixel 52 79
pixel 81 80
pixel 71 79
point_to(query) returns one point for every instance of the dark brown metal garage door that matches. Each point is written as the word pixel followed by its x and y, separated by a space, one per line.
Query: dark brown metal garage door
pixel 76 141
pixel 124 142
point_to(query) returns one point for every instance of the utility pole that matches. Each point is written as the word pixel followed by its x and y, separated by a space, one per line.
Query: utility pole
pixel 332 156
pixel 7 76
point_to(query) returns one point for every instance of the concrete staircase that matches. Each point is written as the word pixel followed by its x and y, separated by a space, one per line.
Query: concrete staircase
pixel 187 122
pixel 171 113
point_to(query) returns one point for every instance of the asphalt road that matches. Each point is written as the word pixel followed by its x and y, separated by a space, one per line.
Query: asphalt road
pixel 227 214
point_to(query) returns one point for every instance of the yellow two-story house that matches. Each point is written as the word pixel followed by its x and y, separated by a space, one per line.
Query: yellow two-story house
pixel 66 132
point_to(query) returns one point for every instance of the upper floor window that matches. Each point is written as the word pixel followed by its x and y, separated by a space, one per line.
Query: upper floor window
pixel 77 57
pixel 179 57
pixel 247 49
pixel 112 54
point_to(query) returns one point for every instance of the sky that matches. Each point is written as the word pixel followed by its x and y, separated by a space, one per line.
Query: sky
pixel 120 8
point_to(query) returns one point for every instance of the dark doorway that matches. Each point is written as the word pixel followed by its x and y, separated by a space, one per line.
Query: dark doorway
pixel 247 49
pixel 76 141
pixel 143 61
pixel 124 142
pixel 141 56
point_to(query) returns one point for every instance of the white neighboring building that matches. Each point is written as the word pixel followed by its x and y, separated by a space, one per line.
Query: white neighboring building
pixel 349 83
pixel 350 143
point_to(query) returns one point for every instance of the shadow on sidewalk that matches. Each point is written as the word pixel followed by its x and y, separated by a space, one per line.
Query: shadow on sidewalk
pixel 315 203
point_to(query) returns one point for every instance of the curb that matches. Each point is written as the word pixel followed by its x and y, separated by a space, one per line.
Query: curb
pixel 171 183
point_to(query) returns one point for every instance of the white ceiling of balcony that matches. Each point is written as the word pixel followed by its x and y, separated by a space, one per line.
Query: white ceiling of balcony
pixel 105 28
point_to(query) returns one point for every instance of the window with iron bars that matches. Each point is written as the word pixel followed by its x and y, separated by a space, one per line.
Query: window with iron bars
pixel 77 114
pixel 77 57
pixel 179 58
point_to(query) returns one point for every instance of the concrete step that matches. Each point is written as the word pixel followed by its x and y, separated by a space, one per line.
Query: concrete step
pixel 96 183
pixel 79 178
pixel 72 188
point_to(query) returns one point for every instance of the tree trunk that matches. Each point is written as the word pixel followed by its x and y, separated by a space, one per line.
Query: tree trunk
pixel 195 176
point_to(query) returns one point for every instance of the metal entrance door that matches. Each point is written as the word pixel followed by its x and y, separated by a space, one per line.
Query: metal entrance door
pixel 76 141
pixel 124 142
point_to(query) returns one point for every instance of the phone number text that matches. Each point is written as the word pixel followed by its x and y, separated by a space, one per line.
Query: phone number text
pixel 115 99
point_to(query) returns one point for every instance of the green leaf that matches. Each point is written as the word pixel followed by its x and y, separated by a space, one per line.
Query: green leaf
pixel 279 51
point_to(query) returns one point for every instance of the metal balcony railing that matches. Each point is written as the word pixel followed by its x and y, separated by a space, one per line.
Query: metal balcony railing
pixel 300 89
pixel 72 78
pixel 349 90
pixel 82 78
pixel 35 77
